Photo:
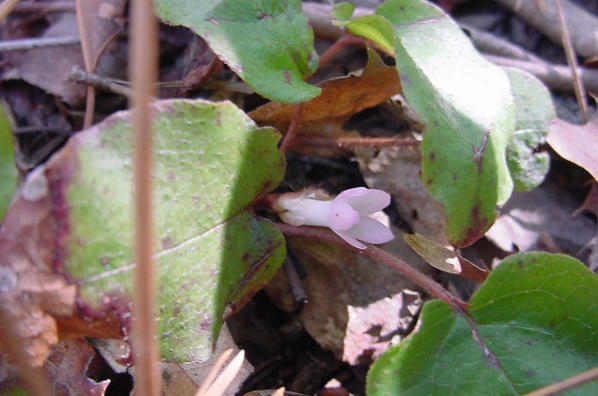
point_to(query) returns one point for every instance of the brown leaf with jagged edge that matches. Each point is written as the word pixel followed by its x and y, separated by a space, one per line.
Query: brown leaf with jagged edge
pixel 576 143
pixel 342 97
pixel 355 306
pixel 67 368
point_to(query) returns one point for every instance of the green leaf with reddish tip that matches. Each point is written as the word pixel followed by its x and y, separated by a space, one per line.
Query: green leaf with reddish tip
pixel 269 44
pixel 467 107
pixel 8 170
pixel 534 112
pixel 210 161
pixel 534 309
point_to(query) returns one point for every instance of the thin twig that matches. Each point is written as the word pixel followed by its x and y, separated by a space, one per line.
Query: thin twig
pixel 425 282
pixel 90 95
pixel 569 383
pixel 557 77
pixel 580 92
pixel 41 42
pixel 142 69
pixel 353 142
pixel 97 81
pixel 290 135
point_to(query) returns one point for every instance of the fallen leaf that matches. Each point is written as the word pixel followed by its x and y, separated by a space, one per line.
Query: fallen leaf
pixel 544 210
pixel 576 143
pixel 342 97
pixel 355 306
pixel 66 369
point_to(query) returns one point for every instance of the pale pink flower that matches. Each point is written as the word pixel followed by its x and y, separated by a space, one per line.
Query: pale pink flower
pixel 348 215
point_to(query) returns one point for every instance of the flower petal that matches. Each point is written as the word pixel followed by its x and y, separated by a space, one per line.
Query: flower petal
pixel 371 231
pixel 349 239
pixel 365 201
pixel 342 216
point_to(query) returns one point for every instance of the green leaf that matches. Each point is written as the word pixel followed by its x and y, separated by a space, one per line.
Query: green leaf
pixel 341 13
pixel 268 43
pixel 537 317
pixel 534 112
pixel 8 170
pixel 467 107
pixel 375 28
pixel 210 162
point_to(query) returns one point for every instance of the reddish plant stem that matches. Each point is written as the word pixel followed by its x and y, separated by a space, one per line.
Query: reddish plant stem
pixel 355 142
pixel 429 285
pixel 345 40
pixel 290 135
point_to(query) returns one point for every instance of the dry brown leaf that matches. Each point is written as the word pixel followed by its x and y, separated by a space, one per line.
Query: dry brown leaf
pixel 98 26
pixel 576 143
pixel 66 368
pixel 340 99
pixel 34 68
pixel 355 305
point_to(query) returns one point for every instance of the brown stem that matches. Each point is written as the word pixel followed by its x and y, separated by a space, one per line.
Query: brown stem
pixel 425 282
pixel 142 71
pixel 345 40
pixel 289 136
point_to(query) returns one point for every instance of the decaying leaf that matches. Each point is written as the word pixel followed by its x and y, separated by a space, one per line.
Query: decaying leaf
pixel 576 143
pixel 355 306
pixel 342 97
pixel 66 368
pixel 67 239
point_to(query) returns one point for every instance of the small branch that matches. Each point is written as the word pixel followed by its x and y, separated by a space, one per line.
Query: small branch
pixel 346 142
pixel 569 383
pixel 429 285
pixel 41 42
pixel 580 92
pixel 557 77
pixel 345 40
pixel 290 135
pixel 492 44
pixel 97 81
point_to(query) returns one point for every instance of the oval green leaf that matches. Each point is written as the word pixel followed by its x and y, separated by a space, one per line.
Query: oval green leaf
pixel 467 107
pixel 211 251
pixel 533 323
pixel 534 112
pixel 269 44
